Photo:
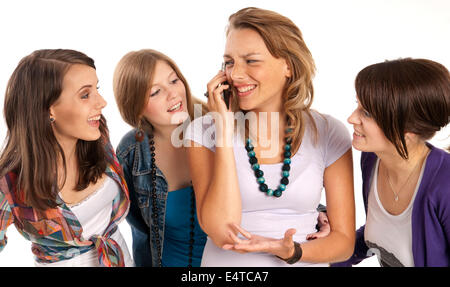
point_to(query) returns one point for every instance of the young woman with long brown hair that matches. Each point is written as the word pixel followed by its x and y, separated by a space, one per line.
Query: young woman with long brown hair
pixel 60 182
pixel 154 97
pixel 265 182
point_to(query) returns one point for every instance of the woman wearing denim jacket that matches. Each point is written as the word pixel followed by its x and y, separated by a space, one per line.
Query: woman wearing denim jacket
pixel 154 98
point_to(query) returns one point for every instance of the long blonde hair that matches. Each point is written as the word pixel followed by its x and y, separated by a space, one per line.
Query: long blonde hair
pixel 284 40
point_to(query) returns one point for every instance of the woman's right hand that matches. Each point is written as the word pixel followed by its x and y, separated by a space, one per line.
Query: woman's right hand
pixel 223 117
pixel 282 247
pixel 324 227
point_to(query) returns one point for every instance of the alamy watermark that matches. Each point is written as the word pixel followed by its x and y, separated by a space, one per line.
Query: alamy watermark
pixel 262 125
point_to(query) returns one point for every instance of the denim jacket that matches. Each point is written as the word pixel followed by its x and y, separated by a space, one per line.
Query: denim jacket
pixel 135 158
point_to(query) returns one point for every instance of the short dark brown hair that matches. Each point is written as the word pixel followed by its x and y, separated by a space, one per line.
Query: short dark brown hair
pixel 406 95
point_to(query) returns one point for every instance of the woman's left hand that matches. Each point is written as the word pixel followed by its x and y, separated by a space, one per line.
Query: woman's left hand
pixel 283 247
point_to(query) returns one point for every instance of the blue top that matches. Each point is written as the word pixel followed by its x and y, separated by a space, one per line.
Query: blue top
pixel 135 158
pixel 177 231
pixel 430 215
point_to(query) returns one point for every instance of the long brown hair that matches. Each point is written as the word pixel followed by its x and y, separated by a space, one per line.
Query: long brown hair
pixel 284 40
pixel 31 150
pixel 132 79
pixel 405 95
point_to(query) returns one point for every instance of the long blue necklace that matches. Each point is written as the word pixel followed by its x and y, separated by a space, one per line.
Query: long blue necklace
pixel 260 174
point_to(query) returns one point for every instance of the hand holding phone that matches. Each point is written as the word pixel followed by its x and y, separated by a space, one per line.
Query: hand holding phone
pixel 226 94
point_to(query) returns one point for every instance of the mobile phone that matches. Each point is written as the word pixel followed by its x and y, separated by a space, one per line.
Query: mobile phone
pixel 226 93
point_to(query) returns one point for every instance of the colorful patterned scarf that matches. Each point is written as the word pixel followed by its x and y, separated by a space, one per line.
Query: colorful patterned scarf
pixel 56 233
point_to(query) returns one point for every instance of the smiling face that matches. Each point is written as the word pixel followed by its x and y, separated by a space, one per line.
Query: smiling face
pixel 256 76
pixel 368 136
pixel 77 111
pixel 166 105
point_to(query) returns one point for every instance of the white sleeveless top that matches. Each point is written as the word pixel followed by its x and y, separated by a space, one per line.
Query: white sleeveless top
pixel 94 215
pixel 389 236
pixel 296 208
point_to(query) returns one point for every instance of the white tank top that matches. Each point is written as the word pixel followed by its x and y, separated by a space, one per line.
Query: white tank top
pixel 94 215
pixel 389 236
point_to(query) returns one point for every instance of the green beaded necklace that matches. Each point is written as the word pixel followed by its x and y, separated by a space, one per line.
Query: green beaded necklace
pixel 260 174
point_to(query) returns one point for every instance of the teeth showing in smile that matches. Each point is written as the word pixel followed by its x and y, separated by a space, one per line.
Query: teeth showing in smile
pixel 175 107
pixel 246 88
pixel 94 118
pixel 360 135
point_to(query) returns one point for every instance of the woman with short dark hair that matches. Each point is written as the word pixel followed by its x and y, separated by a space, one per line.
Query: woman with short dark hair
pixel 406 183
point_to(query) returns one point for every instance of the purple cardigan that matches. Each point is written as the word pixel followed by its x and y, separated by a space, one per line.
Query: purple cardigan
pixel 430 214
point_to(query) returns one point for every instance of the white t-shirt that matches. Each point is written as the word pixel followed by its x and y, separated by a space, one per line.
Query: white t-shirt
pixel 389 236
pixel 296 208
pixel 94 215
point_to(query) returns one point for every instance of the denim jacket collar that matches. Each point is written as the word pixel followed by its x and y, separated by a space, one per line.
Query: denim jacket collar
pixel 142 152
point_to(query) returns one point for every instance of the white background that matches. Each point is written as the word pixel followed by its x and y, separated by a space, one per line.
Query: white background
pixel 344 36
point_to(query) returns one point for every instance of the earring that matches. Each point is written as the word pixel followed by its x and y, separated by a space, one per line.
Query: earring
pixel 52 119
pixel 139 135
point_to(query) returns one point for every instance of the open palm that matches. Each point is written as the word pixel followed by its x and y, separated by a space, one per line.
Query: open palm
pixel 283 247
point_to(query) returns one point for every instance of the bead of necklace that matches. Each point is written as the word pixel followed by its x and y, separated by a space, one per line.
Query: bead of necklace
pixel 155 213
